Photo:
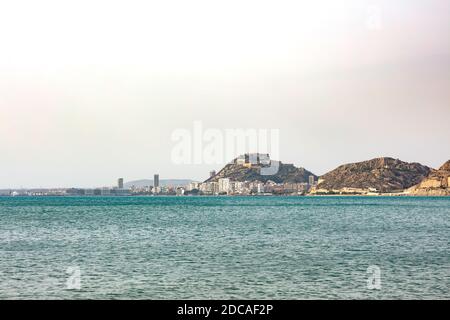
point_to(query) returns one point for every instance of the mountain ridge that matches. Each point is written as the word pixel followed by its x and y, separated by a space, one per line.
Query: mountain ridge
pixel 384 174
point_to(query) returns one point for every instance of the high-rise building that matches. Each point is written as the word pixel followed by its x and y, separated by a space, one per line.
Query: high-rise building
pixel 260 188
pixel 120 183
pixel 212 173
pixel 311 180
pixel 156 180
pixel 193 185
pixel 215 187
pixel 224 185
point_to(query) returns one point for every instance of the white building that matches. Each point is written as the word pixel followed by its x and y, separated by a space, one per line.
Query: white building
pixel 215 187
pixel 264 159
pixel 260 188
pixel 193 185
pixel 240 187
pixel 207 188
pixel 156 190
pixel 224 185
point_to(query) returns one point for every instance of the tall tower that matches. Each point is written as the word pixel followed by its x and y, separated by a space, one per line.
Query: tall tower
pixel 120 183
pixel 156 180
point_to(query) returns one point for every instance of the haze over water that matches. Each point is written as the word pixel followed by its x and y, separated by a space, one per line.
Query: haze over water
pixel 224 247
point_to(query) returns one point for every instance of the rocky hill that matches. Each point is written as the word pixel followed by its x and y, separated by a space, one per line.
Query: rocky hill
pixel 436 184
pixel 380 174
pixel 281 173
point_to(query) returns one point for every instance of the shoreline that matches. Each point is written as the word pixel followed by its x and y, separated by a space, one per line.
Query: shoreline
pixel 228 196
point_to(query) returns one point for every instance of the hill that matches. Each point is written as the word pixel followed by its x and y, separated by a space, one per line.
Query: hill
pixel 242 169
pixel 380 174
pixel 437 183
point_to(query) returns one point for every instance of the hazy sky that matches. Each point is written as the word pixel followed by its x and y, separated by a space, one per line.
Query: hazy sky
pixel 93 90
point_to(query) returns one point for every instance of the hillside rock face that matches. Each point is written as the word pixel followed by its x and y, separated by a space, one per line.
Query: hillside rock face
pixel 379 174
pixel 436 184
pixel 445 167
pixel 282 173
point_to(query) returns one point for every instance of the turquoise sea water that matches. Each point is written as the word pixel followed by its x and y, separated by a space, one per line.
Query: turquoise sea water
pixel 224 247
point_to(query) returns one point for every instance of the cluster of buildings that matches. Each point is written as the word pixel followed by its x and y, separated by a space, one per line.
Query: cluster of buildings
pixel 118 190
pixel 222 186
pixel 33 192
pixel 225 186
pixel 156 189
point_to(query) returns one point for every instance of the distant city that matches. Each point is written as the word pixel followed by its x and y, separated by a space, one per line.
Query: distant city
pixel 222 186
pixel 245 176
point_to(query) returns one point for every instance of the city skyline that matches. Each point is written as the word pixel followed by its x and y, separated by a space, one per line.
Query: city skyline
pixel 120 182
pixel 341 82
pixel 224 156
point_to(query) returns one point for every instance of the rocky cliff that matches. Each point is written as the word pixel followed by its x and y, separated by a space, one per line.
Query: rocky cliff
pixel 276 171
pixel 437 183
pixel 380 174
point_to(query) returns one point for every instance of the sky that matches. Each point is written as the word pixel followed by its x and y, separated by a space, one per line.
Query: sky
pixel 94 90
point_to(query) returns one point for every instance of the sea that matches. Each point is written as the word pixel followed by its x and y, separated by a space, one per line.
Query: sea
pixel 225 247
